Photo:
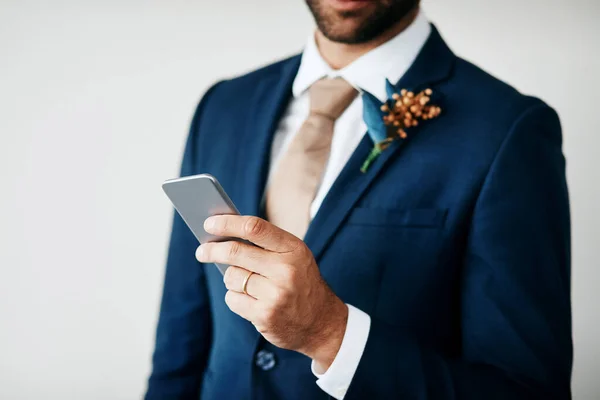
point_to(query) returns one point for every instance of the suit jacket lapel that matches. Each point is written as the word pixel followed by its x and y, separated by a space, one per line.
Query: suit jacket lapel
pixel 266 108
pixel 433 64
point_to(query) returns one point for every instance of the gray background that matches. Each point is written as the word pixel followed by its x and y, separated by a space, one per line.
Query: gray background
pixel 95 100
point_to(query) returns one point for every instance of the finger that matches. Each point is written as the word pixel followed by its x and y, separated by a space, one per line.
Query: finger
pixel 233 252
pixel 241 304
pixel 257 286
pixel 253 229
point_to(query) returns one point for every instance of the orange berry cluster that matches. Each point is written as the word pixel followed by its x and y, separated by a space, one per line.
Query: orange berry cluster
pixel 408 109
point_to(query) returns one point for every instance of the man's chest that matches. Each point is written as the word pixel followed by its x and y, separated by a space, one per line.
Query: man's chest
pixel 390 241
pixel 397 248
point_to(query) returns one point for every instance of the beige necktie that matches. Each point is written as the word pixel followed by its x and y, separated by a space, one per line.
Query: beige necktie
pixel 294 184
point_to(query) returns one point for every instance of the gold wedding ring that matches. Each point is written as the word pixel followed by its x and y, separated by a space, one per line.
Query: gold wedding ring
pixel 245 283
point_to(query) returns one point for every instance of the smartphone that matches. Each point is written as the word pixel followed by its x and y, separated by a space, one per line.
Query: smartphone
pixel 196 198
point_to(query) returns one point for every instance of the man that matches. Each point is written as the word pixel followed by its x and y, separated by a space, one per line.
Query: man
pixel 441 271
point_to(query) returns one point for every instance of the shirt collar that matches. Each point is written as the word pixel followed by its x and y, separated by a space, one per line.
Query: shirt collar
pixel 390 60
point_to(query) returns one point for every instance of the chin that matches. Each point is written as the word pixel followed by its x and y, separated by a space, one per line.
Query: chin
pixel 344 27
pixel 358 21
pixel 344 32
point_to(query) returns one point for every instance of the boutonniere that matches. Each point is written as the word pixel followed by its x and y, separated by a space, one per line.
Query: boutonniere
pixel 391 120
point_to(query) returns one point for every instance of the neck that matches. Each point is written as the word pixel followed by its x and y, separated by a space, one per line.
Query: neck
pixel 339 55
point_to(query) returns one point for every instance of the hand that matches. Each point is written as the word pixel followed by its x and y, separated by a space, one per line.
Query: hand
pixel 287 300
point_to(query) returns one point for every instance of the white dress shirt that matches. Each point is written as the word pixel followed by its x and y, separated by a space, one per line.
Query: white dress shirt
pixel 390 60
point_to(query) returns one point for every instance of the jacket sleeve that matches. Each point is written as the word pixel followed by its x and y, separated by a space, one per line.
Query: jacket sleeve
pixel 183 335
pixel 515 318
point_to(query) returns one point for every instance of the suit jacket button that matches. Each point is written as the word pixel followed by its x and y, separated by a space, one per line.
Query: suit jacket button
pixel 265 360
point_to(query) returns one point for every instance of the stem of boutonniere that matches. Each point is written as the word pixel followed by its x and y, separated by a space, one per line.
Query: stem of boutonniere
pixel 375 152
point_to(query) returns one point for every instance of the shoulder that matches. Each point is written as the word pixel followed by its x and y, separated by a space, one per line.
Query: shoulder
pixel 484 118
pixel 226 109
pixel 488 109
pixel 226 91
pixel 234 94
pixel 490 96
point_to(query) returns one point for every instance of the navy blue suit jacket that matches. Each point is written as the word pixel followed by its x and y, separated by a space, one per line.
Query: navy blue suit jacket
pixel 456 242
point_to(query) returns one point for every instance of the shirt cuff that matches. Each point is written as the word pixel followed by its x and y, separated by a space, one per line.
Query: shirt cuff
pixel 336 380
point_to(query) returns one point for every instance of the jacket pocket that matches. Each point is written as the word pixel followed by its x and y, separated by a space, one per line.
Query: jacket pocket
pixel 411 218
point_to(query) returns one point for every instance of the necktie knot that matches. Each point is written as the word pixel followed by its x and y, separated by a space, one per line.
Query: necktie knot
pixel 330 97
